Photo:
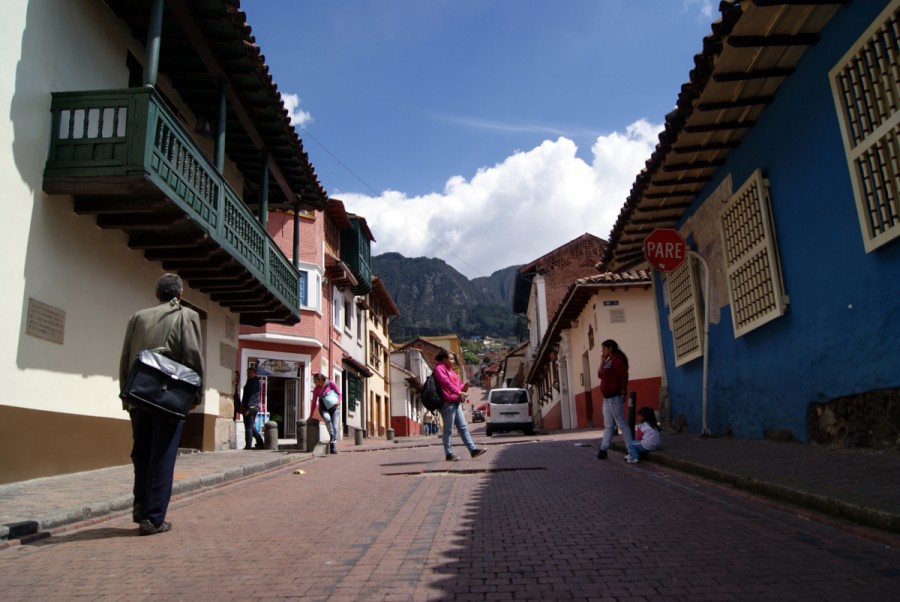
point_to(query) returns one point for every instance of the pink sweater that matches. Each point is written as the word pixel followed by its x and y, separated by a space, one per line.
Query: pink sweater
pixel 449 382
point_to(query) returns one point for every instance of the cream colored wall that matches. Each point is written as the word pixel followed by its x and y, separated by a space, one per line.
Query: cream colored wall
pixel 50 253
pixel 637 336
pixel 379 383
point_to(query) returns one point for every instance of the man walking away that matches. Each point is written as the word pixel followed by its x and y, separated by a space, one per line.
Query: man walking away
pixel 175 330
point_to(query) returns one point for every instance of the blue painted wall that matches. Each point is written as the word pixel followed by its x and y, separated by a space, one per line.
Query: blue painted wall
pixel 841 335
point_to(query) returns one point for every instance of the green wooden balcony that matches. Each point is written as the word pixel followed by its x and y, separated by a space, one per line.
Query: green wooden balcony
pixel 126 158
pixel 355 252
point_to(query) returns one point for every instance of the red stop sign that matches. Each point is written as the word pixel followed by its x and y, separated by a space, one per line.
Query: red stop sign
pixel 664 249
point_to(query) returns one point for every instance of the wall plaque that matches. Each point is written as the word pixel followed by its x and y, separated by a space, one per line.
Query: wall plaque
pixel 227 356
pixel 45 322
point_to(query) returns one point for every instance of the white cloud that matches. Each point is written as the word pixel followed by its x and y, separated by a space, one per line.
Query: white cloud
pixel 705 7
pixel 298 116
pixel 515 211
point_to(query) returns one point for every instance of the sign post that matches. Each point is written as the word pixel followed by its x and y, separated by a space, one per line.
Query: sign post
pixel 665 250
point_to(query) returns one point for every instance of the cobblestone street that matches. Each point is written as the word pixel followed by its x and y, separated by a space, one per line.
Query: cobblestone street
pixel 532 519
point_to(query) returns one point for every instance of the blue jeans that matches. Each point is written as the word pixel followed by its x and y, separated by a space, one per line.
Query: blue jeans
pixel 330 417
pixel 250 430
pixel 452 414
pixel 153 455
pixel 636 449
pixel 613 413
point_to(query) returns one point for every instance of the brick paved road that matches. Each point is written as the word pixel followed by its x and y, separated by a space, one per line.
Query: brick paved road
pixel 529 520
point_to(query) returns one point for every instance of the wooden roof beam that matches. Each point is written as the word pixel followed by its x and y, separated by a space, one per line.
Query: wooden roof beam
pixel 691 180
pixel 177 241
pixel 141 221
pixel 98 205
pixel 204 48
pixel 709 146
pixel 718 127
pixel 694 165
pixel 767 3
pixel 163 254
pixel 686 194
pixel 735 104
pixel 666 207
pixel 798 39
pixel 741 76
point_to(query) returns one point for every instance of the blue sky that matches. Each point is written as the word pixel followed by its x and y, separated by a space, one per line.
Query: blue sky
pixel 483 132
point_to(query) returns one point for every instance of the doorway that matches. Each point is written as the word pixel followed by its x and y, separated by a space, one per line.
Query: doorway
pixel 588 401
pixel 282 404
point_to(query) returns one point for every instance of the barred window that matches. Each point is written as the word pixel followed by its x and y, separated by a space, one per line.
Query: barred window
pixel 686 319
pixel 866 88
pixel 751 258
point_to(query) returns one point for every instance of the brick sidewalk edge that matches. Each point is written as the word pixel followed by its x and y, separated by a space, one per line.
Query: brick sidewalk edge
pixel 67 517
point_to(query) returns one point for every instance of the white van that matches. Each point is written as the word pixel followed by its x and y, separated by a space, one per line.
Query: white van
pixel 508 410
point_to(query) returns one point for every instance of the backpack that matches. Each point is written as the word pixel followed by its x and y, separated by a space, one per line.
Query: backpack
pixel 431 395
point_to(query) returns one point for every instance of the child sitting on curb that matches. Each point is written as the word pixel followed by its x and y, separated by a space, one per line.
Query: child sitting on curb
pixel 648 436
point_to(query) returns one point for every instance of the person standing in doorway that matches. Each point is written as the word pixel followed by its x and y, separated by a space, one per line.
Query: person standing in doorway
pixel 250 401
pixel 454 392
pixel 329 406
pixel 237 395
pixel 613 375
pixel 175 330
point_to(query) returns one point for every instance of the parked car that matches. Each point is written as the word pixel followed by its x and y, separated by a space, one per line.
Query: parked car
pixel 509 410
pixel 477 415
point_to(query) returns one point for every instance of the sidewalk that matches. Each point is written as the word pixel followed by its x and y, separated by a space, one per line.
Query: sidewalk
pixel 857 486
pixel 33 508
pixel 852 486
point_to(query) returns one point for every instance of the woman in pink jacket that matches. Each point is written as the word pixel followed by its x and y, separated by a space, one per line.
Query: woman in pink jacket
pixel 454 393
pixel 328 413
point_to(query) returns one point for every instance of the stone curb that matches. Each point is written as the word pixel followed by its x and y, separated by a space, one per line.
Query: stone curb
pixel 834 508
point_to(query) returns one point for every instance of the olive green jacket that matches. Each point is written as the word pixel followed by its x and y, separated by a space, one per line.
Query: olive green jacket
pixel 169 326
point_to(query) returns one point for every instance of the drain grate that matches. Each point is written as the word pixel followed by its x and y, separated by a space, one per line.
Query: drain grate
pixel 462 471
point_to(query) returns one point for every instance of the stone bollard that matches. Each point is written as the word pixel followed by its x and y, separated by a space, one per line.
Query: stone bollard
pixel 271 438
pixel 307 434
pixel 358 436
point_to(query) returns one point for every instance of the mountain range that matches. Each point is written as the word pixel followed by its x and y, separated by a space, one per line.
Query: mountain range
pixel 435 299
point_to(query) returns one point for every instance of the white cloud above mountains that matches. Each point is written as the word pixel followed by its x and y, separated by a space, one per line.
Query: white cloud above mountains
pixel 515 211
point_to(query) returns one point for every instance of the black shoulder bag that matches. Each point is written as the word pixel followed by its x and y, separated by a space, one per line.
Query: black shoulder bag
pixel 161 385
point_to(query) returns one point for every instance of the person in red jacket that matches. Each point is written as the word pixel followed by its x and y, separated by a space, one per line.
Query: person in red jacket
pixel 613 375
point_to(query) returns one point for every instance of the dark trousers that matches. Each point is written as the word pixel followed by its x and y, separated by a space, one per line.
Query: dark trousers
pixel 250 430
pixel 153 455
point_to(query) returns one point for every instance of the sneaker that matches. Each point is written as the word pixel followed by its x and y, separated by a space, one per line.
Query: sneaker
pixel 452 458
pixel 148 528
pixel 601 455
pixel 479 452
pixel 632 459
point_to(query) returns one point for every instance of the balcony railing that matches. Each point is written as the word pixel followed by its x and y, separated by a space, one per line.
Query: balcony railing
pixel 112 142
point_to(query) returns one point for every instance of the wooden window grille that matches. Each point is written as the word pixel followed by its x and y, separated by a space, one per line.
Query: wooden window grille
pixel 686 319
pixel 866 88
pixel 751 257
